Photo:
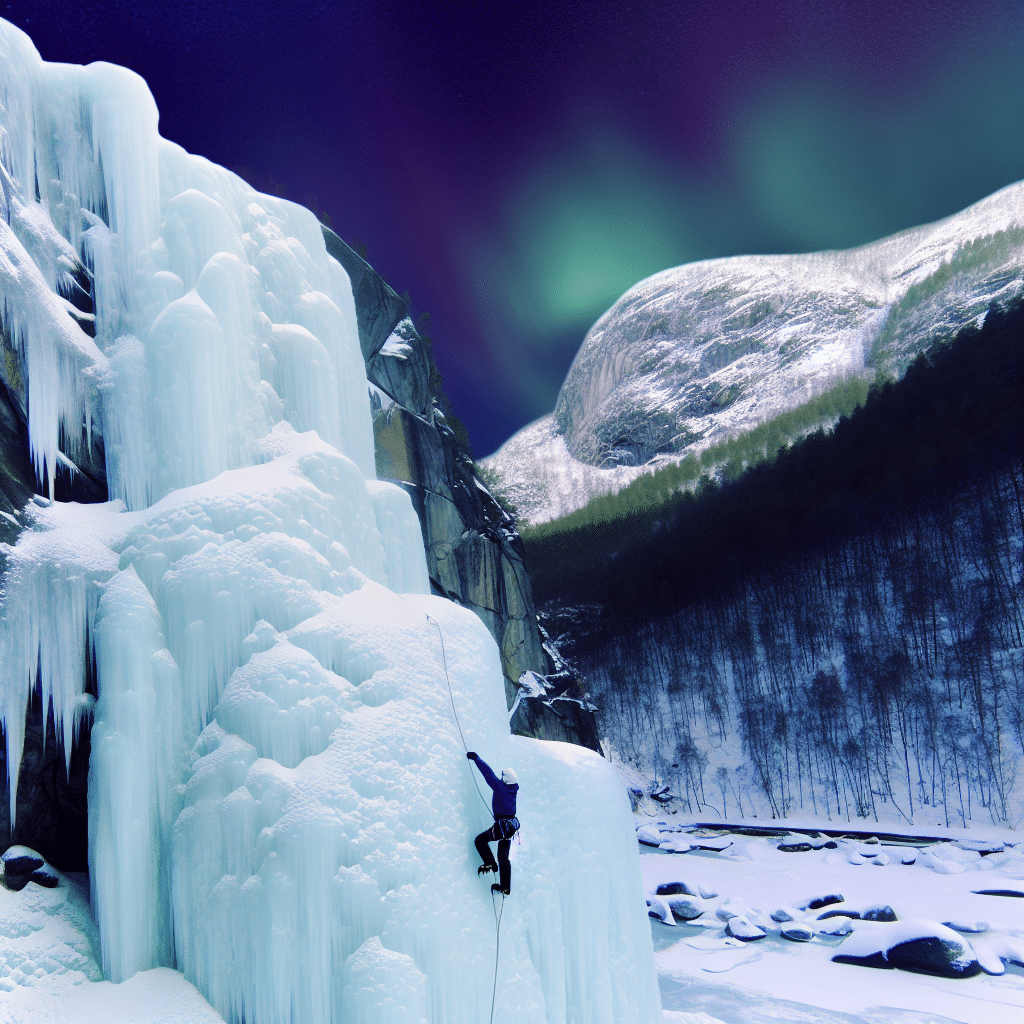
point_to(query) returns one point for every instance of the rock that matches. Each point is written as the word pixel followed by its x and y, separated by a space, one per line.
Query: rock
pixel 714 844
pixel 687 908
pixel 742 929
pixel 706 893
pixel 795 845
pixel 649 835
pixel 796 933
pixel 52 806
pixel 675 846
pixel 378 308
pixel 22 865
pixel 817 902
pixel 474 555
pixel 841 926
pixel 999 892
pixel 933 955
pixel 659 908
pixel 781 915
pixel 970 927
pixel 674 889
pixel 982 846
pixel 876 959
pixel 731 908
pixel 881 912
pixel 922 947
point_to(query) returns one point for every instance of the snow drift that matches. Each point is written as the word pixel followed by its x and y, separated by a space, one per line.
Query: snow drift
pixel 279 802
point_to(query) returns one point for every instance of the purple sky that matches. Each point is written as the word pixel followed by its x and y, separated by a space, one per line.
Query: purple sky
pixel 516 167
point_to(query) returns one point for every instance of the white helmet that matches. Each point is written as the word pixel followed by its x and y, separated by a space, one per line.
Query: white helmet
pixel 508 777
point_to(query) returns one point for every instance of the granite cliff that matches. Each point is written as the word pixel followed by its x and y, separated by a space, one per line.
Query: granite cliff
pixel 474 555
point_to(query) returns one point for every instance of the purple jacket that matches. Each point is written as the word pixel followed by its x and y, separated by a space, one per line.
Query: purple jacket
pixel 503 803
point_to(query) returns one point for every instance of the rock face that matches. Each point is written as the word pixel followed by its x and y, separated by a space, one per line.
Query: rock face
pixel 474 555
pixel 17 481
pixel 51 802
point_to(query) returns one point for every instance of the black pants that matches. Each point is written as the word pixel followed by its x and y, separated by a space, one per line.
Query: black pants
pixel 504 867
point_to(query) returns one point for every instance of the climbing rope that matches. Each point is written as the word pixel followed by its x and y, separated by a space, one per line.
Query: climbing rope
pixel 458 725
pixel 451 697
pixel 497 946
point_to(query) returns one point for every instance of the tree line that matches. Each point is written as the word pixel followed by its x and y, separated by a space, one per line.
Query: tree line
pixel 958 412
pixel 839 632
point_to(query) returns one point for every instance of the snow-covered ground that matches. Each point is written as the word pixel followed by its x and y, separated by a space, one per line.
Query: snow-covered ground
pixel 930 887
pixel 929 879
pixel 50 973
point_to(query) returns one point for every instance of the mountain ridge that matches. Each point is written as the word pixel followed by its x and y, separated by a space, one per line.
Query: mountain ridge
pixel 696 354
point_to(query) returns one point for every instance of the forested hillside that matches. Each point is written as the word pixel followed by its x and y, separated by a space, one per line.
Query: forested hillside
pixel 836 631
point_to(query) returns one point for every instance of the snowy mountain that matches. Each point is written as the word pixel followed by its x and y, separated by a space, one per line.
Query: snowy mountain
pixel 707 351
pixel 279 801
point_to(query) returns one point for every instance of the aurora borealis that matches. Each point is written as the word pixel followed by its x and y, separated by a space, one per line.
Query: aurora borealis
pixel 515 168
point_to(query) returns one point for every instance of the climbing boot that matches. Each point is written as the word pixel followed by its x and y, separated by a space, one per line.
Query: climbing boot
pixel 498 888
pixel 484 869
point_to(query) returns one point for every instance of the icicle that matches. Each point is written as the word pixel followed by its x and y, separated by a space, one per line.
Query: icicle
pixel 136 738
pixel 49 603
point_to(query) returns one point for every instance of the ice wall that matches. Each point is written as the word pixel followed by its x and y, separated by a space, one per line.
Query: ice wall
pixel 279 799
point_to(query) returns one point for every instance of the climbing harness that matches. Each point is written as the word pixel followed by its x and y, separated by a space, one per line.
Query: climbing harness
pixel 506 828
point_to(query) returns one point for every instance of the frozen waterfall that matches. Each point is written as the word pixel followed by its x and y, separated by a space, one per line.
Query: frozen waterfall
pixel 279 801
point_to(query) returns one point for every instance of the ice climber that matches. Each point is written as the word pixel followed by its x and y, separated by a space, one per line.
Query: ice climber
pixel 506 824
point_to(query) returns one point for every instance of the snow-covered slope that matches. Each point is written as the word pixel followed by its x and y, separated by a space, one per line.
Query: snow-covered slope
pixel 279 799
pixel 706 351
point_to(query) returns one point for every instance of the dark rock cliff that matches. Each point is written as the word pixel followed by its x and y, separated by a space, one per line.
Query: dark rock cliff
pixel 474 555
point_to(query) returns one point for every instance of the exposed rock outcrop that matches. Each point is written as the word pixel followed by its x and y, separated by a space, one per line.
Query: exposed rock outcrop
pixel 474 555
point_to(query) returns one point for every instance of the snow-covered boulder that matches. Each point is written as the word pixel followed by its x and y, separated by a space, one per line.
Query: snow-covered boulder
pixel 817 902
pixel 22 865
pixel 924 947
pixel 649 835
pixel 743 929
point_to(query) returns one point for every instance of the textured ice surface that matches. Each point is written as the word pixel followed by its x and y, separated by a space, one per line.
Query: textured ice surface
pixel 279 801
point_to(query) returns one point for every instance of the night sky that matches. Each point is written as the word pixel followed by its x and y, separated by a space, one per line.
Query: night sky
pixel 516 167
